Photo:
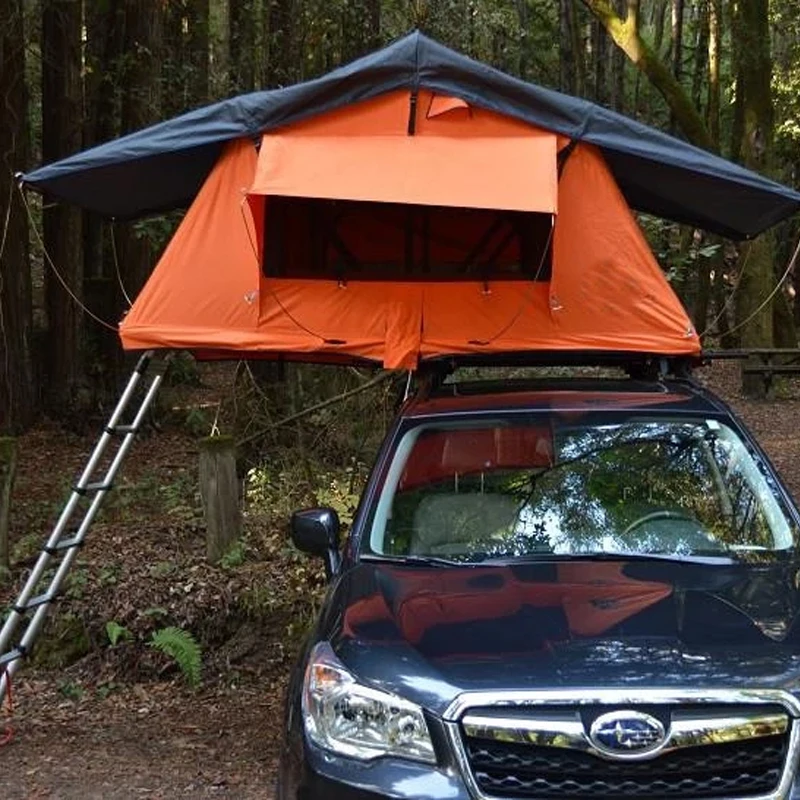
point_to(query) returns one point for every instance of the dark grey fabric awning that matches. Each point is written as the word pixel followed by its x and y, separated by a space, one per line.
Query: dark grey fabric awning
pixel 162 167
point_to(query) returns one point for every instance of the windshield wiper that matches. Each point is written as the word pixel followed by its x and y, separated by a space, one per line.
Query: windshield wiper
pixel 415 561
pixel 610 556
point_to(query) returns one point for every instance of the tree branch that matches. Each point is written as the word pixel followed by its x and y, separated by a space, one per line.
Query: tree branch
pixel 384 376
pixel 626 36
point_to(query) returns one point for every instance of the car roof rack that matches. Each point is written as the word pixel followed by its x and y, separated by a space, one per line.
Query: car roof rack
pixel 432 373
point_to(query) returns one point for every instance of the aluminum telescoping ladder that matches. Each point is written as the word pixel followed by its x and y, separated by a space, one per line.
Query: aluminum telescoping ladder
pixel 44 582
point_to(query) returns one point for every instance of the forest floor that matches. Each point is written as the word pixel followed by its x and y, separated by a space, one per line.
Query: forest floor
pixel 118 721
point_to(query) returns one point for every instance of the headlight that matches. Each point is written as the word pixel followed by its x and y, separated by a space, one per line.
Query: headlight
pixel 342 715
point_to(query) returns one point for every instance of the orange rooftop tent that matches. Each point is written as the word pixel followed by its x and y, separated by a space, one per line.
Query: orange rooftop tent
pixel 396 221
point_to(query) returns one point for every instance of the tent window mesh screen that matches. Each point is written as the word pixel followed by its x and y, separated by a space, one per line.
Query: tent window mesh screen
pixel 344 239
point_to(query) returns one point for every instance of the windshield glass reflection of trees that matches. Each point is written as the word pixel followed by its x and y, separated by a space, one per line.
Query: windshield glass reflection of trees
pixel 667 487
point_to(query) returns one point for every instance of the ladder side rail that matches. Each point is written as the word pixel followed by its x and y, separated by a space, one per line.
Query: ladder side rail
pixel 45 555
pixel 116 415
pixel 111 473
pixel 18 612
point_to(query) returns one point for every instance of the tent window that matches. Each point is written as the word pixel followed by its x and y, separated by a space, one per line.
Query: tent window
pixel 340 239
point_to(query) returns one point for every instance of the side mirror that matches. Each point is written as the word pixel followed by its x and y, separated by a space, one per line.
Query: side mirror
pixel 316 531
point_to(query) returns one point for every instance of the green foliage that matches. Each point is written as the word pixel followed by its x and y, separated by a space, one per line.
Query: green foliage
pixel 65 640
pixel 155 611
pixel 180 646
pixel 182 371
pixel 157 231
pixel 70 690
pixel 105 689
pixel 342 492
pixel 234 557
pixel 163 569
pixel 76 583
pixel 108 575
pixel 116 632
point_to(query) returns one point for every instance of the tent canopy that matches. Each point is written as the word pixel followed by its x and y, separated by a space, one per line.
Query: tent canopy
pixel 163 167
pixel 343 238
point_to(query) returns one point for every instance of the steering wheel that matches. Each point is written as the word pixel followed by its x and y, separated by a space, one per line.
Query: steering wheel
pixel 698 538
pixel 662 513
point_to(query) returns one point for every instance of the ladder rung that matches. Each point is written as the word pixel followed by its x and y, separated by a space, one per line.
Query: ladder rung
pixel 13 655
pixel 93 487
pixel 35 602
pixel 65 535
pixel 64 544
pixel 122 429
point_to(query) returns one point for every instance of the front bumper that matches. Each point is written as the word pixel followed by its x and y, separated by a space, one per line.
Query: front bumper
pixel 320 775
pixel 308 772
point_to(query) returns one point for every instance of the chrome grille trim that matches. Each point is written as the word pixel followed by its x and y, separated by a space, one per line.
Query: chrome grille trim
pixel 571 734
pixel 627 697
pixel 545 732
pixel 619 697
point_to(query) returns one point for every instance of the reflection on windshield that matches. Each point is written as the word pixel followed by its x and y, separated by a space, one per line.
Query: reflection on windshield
pixel 656 486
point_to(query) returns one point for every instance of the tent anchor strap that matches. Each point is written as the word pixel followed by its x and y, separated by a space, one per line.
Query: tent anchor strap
pixel 26 617
pixel 412 113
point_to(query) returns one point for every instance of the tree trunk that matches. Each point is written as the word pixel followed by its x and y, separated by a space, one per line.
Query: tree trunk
pixel 373 24
pixel 242 45
pixel 617 59
pixel 700 54
pixel 280 38
pixel 17 396
pixel 62 224
pixel 625 34
pixel 705 267
pixel 570 49
pixel 754 314
pixel 714 43
pixel 677 51
pixel 197 46
pixel 8 467
pixel 600 53
pixel 659 25
pixel 566 53
pixel 141 98
pixel 104 57
pixel 219 491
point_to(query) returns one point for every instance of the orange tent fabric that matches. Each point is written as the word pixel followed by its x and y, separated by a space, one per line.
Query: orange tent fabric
pixel 426 170
pixel 367 272
pixel 204 291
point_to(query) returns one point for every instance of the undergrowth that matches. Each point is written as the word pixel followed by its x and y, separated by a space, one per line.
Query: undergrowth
pixel 142 589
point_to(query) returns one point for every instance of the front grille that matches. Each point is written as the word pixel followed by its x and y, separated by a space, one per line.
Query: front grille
pixel 740 769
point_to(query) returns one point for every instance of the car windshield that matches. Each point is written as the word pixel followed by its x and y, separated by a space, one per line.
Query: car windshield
pixel 549 487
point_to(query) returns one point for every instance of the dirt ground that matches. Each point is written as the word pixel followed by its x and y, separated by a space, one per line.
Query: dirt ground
pixel 90 732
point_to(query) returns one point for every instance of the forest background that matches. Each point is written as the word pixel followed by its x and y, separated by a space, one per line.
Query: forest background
pixel 724 74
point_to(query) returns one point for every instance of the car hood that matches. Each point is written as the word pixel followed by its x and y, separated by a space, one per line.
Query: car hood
pixel 431 633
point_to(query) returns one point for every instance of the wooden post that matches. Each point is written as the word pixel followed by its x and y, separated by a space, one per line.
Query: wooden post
pixel 219 491
pixel 8 467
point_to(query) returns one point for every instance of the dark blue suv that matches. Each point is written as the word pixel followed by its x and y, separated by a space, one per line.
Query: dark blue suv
pixel 579 589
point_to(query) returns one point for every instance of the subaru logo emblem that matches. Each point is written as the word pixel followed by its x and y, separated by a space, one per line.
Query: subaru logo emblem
pixel 626 734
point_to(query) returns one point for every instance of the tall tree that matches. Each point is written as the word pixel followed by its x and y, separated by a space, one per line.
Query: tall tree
pixel 198 49
pixel 17 397
pixel 701 48
pixel 677 47
pixel 280 27
pixel 242 41
pixel 600 54
pixel 141 98
pixel 62 99
pixel 754 98
pixel 570 50
pixel 714 50
pixel 626 34
pixel 103 61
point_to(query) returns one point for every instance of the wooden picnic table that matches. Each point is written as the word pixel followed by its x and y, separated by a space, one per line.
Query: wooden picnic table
pixel 767 362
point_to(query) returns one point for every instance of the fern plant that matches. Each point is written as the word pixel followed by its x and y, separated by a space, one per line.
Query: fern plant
pixel 182 647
